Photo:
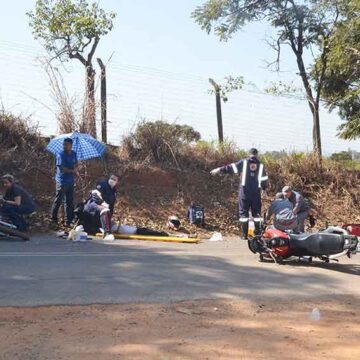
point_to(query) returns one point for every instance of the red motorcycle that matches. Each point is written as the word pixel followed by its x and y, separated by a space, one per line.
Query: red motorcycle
pixel 328 244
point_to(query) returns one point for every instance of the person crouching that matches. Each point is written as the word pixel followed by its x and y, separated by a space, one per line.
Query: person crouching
pixel 97 215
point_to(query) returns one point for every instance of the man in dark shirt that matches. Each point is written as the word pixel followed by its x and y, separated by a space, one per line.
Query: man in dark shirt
pixel 107 189
pixel 16 202
pixel 66 163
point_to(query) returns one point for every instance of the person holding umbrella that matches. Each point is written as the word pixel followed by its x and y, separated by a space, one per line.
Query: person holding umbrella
pixel 66 163
pixel 69 149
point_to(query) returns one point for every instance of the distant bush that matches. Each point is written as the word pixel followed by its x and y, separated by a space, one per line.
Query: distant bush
pixel 159 142
pixel 341 156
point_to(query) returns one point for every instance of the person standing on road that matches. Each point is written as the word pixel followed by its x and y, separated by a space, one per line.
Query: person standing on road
pixel 301 206
pixel 66 163
pixel 253 179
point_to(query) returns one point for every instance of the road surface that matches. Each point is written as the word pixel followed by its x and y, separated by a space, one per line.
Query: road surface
pixel 52 271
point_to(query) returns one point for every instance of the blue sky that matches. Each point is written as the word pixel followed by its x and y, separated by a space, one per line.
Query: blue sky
pixel 159 69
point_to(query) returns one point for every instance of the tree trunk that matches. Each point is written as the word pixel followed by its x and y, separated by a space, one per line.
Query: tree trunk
pixel 314 108
pixel 103 102
pixel 316 132
pixel 90 119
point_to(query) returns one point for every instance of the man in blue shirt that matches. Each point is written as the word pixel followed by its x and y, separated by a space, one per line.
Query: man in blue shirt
pixel 66 163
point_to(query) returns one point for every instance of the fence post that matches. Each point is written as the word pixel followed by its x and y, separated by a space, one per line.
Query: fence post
pixel 218 110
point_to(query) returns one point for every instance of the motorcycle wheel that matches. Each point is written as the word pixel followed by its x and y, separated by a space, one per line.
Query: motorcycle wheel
pixel 13 232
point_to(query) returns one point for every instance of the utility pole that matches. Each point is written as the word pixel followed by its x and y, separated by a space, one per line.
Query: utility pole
pixel 218 110
pixel 103 98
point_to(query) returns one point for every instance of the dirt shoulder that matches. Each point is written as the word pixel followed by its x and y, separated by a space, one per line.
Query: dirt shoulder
pixel 206 329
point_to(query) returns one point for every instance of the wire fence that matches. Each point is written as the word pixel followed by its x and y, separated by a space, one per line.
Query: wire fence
pixel 251 117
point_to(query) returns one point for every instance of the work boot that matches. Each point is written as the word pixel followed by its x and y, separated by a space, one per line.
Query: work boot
pixel 257 228
pixel 245 230
pixel 312 221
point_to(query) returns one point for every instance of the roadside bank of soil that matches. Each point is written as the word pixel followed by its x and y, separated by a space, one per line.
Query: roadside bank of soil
pixel 207 329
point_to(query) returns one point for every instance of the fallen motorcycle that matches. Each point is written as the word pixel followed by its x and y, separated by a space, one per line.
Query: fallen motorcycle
pixel 9 230
pixel 328 244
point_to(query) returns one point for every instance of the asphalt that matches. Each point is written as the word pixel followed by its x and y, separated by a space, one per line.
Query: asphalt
pixel 52 271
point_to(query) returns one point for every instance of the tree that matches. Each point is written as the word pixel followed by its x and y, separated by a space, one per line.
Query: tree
pixel 71 29
pixel 341 87
pixel 301 24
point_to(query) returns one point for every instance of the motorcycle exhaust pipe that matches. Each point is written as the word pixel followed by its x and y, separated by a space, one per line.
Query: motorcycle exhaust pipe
pixel 336 256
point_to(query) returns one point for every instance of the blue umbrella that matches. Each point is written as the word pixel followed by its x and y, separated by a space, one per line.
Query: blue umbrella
pixel 85 146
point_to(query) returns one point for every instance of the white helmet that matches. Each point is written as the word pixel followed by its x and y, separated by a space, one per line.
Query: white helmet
pixel 173 223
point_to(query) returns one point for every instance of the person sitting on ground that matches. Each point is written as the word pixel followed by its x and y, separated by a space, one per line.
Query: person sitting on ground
pixel 301 206
pixel 284 216
pixel 16 202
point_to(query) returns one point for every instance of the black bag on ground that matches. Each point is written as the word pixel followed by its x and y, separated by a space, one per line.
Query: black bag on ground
pixel 196 215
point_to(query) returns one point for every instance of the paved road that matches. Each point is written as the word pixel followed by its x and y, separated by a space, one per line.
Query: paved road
pixel 49 271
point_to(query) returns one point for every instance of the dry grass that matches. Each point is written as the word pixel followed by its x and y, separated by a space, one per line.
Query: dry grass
pixel 157 182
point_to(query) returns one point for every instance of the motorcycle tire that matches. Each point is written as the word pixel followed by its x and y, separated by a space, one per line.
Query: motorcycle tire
pixel 13 232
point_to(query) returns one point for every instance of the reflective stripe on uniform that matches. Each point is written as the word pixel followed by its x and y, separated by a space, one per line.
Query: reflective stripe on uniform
pixel 243 219
pixel 261 178
pixel 234 167
pixel 244 172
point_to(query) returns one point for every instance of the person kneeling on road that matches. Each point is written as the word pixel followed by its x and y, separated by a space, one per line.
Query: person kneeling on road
pixel 284 217
pixel 301 206
pixel 16 203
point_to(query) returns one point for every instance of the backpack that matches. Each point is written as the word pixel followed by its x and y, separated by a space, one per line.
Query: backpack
pixel 196 215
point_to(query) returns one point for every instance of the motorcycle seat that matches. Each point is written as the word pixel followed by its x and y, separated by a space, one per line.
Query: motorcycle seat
pixel 317 244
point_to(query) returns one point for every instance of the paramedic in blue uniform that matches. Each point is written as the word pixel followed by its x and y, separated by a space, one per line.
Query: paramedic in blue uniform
pixel 107 190
pixel 253 179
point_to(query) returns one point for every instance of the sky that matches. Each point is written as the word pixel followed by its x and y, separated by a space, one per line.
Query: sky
pixel 160 64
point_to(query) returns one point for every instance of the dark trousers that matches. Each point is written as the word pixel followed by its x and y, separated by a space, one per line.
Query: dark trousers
pixel 253 204
pixel 247 203
pixel 14 214
pixel 302 216
pixel 64 193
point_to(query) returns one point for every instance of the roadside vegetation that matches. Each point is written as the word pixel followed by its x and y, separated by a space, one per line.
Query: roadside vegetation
pixel 165 166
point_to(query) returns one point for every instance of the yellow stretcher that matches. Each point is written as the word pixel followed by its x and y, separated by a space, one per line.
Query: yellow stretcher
pixel 155 238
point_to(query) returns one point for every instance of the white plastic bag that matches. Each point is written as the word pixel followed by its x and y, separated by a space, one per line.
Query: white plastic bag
pixel 216 236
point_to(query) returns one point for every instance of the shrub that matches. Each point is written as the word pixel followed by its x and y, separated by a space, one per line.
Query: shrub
pixel 21 146
pixel 341 156
pixel 158 141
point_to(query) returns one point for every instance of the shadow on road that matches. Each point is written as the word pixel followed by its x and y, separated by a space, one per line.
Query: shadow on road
pixel 59 272
pixel 351 269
